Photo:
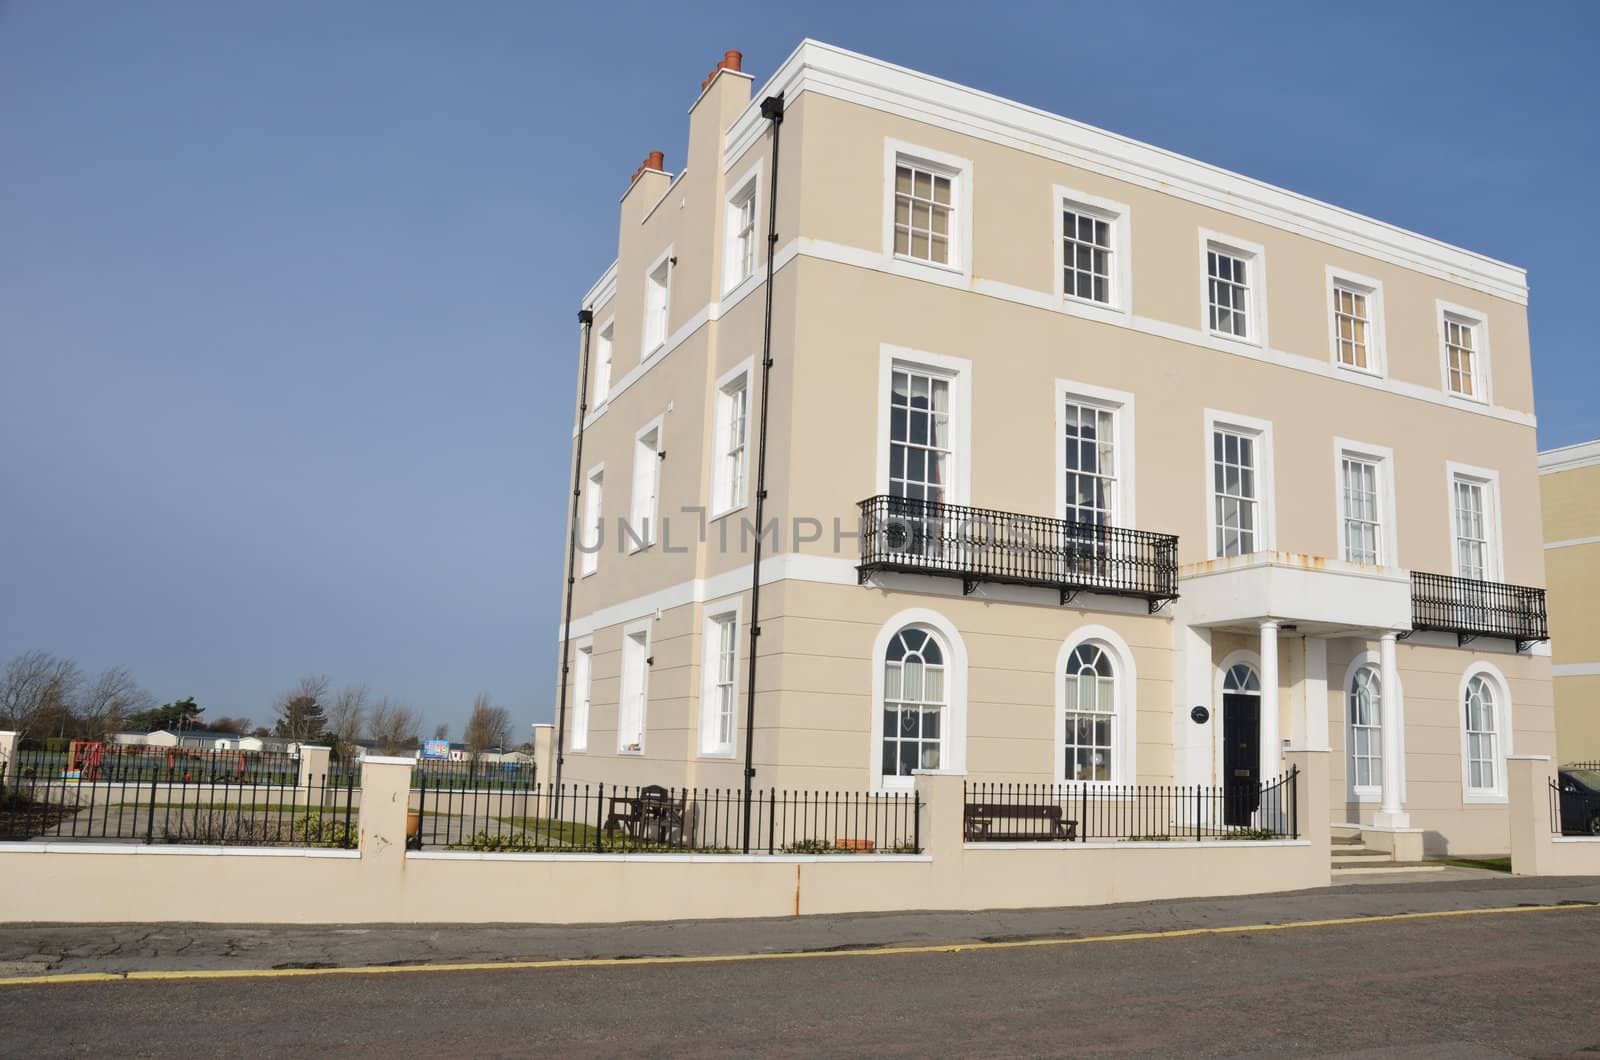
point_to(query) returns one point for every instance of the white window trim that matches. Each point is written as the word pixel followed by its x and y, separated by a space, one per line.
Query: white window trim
pixel 1377 351
pixel 634 523
pixel 745 368
pixel 578 734
pixel 1502 731
pixel 1124 765
pixel 959 371
pixel 1265 478
pixel 1256 255
pixel 1120 217
pixel 628 632
pixel 1490 478
pixel 1370 795
pixel 1479 322
pixel 599 398
pixel 960 170
pixel 953 747
pixel 1121 403
pixel 1388 530
pixel 647 351
pixel 589 562
pixel 729 607
pixel 747 185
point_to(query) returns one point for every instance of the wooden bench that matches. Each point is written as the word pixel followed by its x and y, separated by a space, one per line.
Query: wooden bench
pixel 650 816
pixel 980 820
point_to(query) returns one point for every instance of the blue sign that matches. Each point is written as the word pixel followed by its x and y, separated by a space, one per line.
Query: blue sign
pixel 436 749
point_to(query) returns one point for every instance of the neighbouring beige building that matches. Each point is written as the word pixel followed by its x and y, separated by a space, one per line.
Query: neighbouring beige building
pixel 1569 489
pixel 1090 464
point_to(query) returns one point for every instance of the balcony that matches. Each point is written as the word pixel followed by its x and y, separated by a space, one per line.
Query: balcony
pixel 1470 608
pixel 978 545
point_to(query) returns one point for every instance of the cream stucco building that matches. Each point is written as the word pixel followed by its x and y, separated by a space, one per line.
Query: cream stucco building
pixel 1569 487
pixel 1089 464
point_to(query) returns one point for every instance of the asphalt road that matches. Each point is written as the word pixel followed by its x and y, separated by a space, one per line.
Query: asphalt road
pixel 1481 984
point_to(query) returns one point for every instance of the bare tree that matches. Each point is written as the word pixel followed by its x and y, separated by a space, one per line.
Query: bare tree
pixel 109 700
pixel 301 711
pixel 37 690
pixel 238 726
pixel 392 726
pixel 441 731
pixel 347 719
pixel 489 726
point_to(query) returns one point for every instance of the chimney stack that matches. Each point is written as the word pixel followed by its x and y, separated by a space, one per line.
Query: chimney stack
pixel 656 160
pixel 731 60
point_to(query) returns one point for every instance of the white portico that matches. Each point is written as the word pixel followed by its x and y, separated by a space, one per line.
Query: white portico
pixel 1289 605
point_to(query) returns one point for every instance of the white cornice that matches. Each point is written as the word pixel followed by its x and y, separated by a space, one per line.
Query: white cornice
pixel 1569 457
pixel 831 71
pixel 603 289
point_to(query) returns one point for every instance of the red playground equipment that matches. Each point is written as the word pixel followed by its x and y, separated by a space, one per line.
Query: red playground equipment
pixel 83 759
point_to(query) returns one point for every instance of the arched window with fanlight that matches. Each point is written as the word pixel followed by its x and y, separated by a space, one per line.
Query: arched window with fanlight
pixel 914 702
pixel 1366 730
pixel 1241 678
pixel 1091 714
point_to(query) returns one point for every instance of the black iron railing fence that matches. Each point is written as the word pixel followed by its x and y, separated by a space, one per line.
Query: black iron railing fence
pixel 982 545
pixel 1131 812
pixel 603 818
pixel 1471 608
pixel 37 804
pixel 1574 806
pixel 90 762
pixel 480 775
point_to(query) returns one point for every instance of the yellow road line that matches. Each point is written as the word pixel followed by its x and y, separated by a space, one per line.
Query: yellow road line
pixel 727 958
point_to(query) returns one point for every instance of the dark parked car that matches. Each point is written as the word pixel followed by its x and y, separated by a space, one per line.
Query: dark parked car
pixel 1580 801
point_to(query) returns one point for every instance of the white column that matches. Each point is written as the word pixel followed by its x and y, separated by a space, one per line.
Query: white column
pixel 1271 741
pixel 1390 815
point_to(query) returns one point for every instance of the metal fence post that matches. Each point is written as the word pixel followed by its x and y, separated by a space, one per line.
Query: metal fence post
pixel 772 819
pixel 916 819
pixel 599 808
pixel 150 821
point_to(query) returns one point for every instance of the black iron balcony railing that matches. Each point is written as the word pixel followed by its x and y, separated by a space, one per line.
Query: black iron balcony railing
pixel 1470 608
pixel 979 545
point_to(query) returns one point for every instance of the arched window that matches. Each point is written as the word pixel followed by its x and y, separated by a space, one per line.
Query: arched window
pixel 1241 678
pixel 914 701
pixel 1483 736
pixel 1091 708
pixel 1366 732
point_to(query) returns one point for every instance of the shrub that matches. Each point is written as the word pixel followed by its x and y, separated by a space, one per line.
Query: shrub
pixel 312 829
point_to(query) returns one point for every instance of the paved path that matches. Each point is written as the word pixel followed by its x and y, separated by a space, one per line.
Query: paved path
pixel 1462 985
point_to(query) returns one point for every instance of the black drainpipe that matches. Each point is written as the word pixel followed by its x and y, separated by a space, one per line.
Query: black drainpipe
pixel 772 110
pixel 586 320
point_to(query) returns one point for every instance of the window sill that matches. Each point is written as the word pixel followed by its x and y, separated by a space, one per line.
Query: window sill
pixel 1073 301
pixel 588 573
pixel 646 547
pixel 1466 399
pixel 1367 796
pixel 1241 340
pixel 906 259
pixel 1485 798
pixel 1363 373
pixel 632 752
pixel 724 513
pixel 718 756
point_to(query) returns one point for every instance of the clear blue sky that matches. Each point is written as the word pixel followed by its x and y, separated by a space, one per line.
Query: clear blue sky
pixel 287 290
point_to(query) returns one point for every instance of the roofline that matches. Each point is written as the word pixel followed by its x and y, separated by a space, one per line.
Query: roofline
pixel 826 69
pixel 1570 457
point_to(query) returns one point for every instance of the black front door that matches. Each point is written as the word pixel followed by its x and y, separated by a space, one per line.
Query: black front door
pixel 1241 758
